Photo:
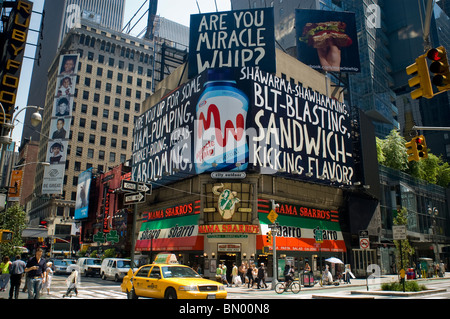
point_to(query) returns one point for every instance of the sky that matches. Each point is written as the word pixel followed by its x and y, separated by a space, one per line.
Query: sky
pixel 181 14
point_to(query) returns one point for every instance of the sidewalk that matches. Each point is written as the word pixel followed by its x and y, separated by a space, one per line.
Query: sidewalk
pixel 357 282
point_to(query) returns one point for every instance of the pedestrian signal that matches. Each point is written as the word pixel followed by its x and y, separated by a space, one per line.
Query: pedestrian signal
pixel 439 68
pixel 5 236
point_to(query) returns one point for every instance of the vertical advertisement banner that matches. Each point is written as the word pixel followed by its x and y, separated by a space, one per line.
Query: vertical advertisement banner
pixel 58 139
pixel 83 189
pixel 232 39
pixel 327 40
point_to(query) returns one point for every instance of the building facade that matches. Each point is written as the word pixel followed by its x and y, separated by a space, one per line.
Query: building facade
pixel 115 73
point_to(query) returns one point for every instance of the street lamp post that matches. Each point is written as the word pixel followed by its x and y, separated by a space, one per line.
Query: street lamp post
pixel 36 119
pixel 434 212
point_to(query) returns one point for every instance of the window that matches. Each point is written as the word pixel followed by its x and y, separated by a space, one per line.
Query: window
pixel 126 118
pixel 129 79
pixel 90 56
pixel 88 68
pixel 112 157
pixel 111 62
pixel 115 129
pixel 98 84
pixel 93 125
pixel 125 131
pixel 82 122
pixel 108 87
pixel 114 142
pixel 99 71
pixel 107 99
pixel 121 64
pixel 77 166
pixel 123 158
pixel 95 111
pixel 84 108
pixel 119 77
pixel 80 136
pixel 138 94
pixel 109 74
pixel 118 89
pixel 91 138
pixel 85 95
pixel 128 93
pixel 104 127
pixel 87 81
pixel 130 67
pixel 90 153
pixel 103 140
pixel 116 116
pixel 96 97
pixel 124 145
pixel 79 151
pixel 101 58
pixel 105 113
pixel 101 155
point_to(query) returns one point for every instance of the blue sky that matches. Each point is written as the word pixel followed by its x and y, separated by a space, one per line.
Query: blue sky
pixel 175 10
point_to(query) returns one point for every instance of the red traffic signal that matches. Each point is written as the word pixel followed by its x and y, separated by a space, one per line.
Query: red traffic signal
pixel 439 67
pixel 421 146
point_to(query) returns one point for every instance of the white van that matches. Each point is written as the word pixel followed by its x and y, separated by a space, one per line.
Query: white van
pixel 89 266
pixel 115 268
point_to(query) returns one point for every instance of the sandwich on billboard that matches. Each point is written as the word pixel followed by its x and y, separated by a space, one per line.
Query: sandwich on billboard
pixel 327 40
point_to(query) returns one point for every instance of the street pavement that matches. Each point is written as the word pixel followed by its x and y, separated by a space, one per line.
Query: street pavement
pixel 95 288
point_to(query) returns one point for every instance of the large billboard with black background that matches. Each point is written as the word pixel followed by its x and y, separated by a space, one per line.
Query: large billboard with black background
pixel 243 119
pixel 232 39
pixel 327 40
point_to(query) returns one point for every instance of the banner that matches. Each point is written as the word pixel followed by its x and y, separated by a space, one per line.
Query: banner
pixel 171 234
pixel 327 40
pixel 58 139
pixel 242 119
pixel 297 227
pixel 82 199
pixel 232 39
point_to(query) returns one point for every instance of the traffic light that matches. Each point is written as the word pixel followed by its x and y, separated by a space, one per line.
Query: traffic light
pixel 5 236
pixel 440 68
pixel 269 237
pixel 416 148
pixel 421 78
pixel 421 146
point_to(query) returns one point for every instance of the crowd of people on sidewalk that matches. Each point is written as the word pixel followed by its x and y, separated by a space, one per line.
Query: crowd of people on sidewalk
pixel 37 272
pixel 246 275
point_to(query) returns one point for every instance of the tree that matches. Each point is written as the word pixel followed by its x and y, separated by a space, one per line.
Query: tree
pixel 13 219
pixel 407 250
pixel 394 151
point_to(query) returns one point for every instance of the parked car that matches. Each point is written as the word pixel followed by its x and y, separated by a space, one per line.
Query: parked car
pixel 89 266
pixel 60 266
pixel 115 268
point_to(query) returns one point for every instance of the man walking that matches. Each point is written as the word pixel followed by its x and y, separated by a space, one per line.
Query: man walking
pixel 261 276
pixel 35 270
pixel 17 270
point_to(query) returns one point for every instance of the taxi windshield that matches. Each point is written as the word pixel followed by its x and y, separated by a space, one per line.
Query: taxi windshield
pixel 178 272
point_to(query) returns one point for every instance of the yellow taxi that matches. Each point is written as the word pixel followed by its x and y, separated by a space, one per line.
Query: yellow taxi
pixel 170 281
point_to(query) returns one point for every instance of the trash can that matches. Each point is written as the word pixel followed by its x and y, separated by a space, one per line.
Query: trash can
pixel 307 279
pixel 410 274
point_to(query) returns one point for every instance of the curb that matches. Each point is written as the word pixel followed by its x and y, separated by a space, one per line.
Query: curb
pixel 398 293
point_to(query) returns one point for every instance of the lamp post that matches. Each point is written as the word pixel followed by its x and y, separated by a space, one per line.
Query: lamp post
pixel 36 119
pixel 434 212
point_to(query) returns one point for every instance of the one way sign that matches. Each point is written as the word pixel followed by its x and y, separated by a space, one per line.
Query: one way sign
pixel 133 198
pixel 131 186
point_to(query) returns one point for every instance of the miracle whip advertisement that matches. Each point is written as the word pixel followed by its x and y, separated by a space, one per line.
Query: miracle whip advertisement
pixel 240 119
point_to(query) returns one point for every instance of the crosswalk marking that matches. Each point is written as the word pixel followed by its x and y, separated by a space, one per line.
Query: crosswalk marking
pixel 89 294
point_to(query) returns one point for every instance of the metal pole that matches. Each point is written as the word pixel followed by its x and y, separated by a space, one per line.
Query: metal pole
pixel 133 239
pixel 431 128
pixel 274 250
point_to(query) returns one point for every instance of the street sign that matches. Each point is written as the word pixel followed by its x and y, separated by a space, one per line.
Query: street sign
pixel 399 232
pixel 272 216
pixel 133 198
pixel 364 243
pixel 318 235
pixel 132 186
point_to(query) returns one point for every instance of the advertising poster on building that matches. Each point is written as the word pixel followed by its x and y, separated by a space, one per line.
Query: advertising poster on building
pixel 232 39
pixel 241 119
pixel 58 139
pixel 327 40
pixel 171 229
pixel 82 199
pixel 297 228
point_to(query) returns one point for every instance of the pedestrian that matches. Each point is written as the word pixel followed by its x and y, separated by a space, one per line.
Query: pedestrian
pixel 48 277
pixel 224 275
pixel 4 269
pixel 234 275
pixel 250 276
pixel 242 271
pixel 219 273
pixel 17 270
pixel 255 275
pixel 307 268
pixel 261 276
pixel 35 270
pixel 72 282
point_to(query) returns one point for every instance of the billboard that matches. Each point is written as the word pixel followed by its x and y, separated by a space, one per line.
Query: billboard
pixel 13 49
pixel 58 140
pixel 327 40
pixel 240 120
pixel 82 199
pixel 232 39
